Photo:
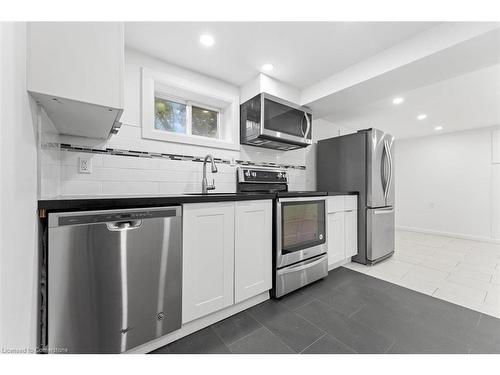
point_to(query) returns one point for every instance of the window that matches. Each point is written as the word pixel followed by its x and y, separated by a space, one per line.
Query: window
pixel 170 116
pixel 189 109
pixel 204 122
pixel 181 117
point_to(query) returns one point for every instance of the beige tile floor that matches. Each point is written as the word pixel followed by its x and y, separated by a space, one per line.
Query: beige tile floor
pixel 460 271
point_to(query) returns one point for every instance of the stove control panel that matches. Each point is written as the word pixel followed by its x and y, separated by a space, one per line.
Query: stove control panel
pixel 255 175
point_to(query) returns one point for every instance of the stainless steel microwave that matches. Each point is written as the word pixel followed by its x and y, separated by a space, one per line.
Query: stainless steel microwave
pixel 271 122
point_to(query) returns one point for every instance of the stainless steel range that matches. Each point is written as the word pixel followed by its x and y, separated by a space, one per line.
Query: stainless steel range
pixel 300 251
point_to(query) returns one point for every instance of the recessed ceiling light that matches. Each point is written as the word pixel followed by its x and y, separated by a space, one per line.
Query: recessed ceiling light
pixel 267 67
pixel 438 128
pixel 207 40
pixel 398 100
pixel 422 116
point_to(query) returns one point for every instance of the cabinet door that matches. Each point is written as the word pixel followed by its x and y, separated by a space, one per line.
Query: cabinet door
pixel 253 249
pixel 75 71
pixel 83 61
pixel 208 258
pixel 351 233
pixel 335 204
pixel 336 241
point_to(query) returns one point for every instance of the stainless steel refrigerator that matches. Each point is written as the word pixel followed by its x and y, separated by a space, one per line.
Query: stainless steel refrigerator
pixel 363 162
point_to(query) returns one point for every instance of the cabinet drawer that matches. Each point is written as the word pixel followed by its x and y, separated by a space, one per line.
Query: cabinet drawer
pixel 335 204
pixel 350 202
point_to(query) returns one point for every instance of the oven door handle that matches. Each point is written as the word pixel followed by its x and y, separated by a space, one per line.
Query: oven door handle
pixel 302 265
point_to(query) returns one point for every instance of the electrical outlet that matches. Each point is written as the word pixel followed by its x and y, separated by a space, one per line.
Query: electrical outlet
pixel 85 164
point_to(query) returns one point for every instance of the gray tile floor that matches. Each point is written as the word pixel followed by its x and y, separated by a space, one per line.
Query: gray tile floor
pixel 348 312
pixel 463 272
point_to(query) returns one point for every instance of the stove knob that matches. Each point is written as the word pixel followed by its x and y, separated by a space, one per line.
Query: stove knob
pixel 254 174
pixel 279 176
pixel 247 173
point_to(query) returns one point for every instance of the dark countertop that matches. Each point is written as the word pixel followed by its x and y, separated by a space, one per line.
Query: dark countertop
pixel 88 203
pixel 342 193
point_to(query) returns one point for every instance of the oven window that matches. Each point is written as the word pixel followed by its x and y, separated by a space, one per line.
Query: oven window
pixel 302 224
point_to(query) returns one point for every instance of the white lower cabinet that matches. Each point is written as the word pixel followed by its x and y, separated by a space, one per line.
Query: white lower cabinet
pixel 253 249
pixel 342 226
pixel 351 232
pixel 208 258
pixel 227 254
pixel 335 236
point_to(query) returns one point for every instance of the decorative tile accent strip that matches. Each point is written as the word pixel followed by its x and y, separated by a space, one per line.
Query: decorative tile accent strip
pixel 145 154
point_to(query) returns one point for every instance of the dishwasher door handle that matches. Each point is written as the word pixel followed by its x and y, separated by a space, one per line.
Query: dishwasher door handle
pixel 117 226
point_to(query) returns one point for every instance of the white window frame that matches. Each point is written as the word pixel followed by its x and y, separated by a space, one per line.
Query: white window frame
pixel 190 92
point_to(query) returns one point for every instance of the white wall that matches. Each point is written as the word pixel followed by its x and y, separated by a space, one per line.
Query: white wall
pixel 126 175
pixel 18 194
pixel 445 183
pixel 263 83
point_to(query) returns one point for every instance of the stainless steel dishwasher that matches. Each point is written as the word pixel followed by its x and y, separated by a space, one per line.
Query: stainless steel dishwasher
pixel 114 278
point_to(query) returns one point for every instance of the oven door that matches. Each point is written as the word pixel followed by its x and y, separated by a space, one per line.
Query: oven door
pixel 300 229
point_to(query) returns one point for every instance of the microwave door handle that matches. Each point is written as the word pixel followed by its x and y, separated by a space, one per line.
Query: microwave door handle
pixel 308 129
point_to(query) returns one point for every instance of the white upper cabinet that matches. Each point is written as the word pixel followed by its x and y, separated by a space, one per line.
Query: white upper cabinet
pixel 253 249
pixel 208 258
pixel 75 70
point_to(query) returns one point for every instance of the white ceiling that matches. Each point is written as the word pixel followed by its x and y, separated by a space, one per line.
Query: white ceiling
pixel 302 53
pixel 458 87
pixel 465 102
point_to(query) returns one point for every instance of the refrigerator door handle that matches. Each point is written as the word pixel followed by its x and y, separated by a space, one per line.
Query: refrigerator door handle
pixel 387 181
pixel 389 178
pixel 382 211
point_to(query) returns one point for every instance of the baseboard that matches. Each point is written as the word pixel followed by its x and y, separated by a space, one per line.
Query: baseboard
pixel 449 234
pixel 338 264
pixel 198 324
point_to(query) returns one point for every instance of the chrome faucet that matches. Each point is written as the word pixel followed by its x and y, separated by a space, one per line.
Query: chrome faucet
pixel 205 187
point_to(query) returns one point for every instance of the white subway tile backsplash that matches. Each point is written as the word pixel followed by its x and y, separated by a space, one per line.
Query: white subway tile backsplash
pixel 80 188
pixel 193 187
pixel 50 157
pixel 49 187
pixel 129 188
pixel 126 162
pixel 123 175
pixel 71 158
